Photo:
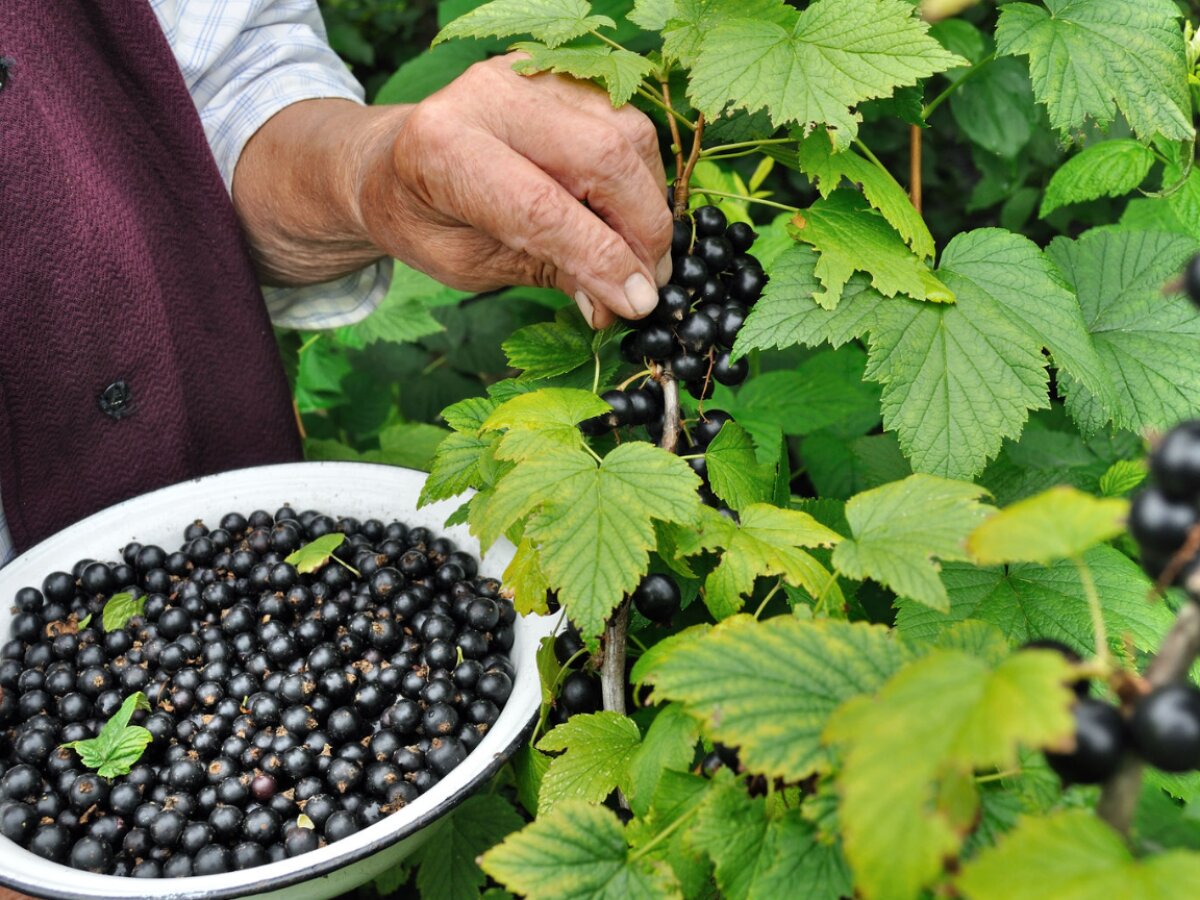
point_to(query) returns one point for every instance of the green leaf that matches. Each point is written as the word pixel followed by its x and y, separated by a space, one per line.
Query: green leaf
pixel 851 236
pixel 651 15
pixel 787 314
pixel 828 169
pixel 119 609
pixel 759 856
pixel 85 621
pixel 447 859
pixel 467 416
pixel 995 108
pixel 620 70
pixel 553 22
pixel 690 21
pixel 315 553
pixel 596 750
pixel 1072 853
pixel 457 466
pixel 937 721
pixel 529 769
pixel 769 687
pixel 959 379
pixel 1107 169
pixel 593 525
pixel 734 472
pixel 524 577
pixel 814 66
pixel 1061 523
pixel 1146 342
pixel 577 850
pixel 1122 477
pixel 765 542
pixel 410 444
pixel 669 744
pixel 543 419
pixel 119 745
pixel 404 315
pixel 1090 59
pixel 547 349
pixel 1028 601
pixel 901 527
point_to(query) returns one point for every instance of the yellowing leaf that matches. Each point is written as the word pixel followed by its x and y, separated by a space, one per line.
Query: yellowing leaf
pixel 621 71
pixel 525 579
pixel 1055 524
pixel 938 719
pixel 543 419
pixel 1072 853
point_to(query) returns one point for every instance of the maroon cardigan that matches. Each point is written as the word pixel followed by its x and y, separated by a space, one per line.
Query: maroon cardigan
pixel 135 348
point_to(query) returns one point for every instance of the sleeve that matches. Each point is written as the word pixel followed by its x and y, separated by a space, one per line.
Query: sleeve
pixel 243 61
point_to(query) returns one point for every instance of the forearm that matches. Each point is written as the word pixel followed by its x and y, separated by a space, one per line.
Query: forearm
pixel 297 188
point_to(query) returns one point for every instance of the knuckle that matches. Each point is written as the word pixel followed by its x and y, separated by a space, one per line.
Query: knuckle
pixel 543 209
pixel 608 252
pixel 643 134
pixel 612 146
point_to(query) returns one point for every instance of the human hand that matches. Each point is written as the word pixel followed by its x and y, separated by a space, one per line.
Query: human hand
pixel 480 186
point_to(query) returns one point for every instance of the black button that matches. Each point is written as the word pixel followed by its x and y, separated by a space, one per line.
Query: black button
pixel 116 400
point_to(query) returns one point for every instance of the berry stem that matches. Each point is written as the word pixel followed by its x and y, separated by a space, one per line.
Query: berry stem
pixel 708 192
pixel 596 374
pixel 1119 798
pixel 676 140
pixel 683 177
pixel 914 166
pixel 1099 629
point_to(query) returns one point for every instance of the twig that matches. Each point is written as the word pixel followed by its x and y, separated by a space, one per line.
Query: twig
pixel 670 389
pixel 683 179
pixel 676 140
pixel 914 166
pixel 612 664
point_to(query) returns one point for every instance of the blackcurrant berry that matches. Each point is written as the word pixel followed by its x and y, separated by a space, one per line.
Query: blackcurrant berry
pixel 746 285
pixel 673 304
pixel 1160 524
pixel 709 221
pixel 656 342
pixel 716 252
pixel 1100 741
pixel 697 332
pixel 681 237
pixel 621 413
pixel 730 373
pixel 741 236
pixel 712 291
pixel 690 271
pixel 729 323
pixel 688 366
pixel 1166 728
pixel 708 427
pixel 657 598
pixel 1191 279
pixel 1175 463
pixel 580 693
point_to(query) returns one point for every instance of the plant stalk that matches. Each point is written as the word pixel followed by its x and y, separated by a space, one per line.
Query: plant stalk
pixel 914 166
pixel 612 665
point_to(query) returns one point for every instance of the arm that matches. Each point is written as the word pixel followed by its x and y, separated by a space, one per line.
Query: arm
pixel 479 185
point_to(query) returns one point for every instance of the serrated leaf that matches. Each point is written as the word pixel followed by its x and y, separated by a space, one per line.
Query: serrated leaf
pixel 315 553
pixel 691 20
pixel 467 416
pixel 1146 342
pixel 819 161
pixel 900 528
pixel 119 745
pixel 1028 601
pixel 553 22
pixel 447 859
pixel 578 850
pixel 524 577
pixel 767 541
pixel 1090 59
pixel 1061 523
pixel 1122 477
pixel 546 349
pixel 547 418
pixel 456 466
pixel 596 750
pixel 787 314
pixel 593 525
pixel 409 444
pixel 621 71
pixel 995 108
pixel 669 744
pixel 119 609
pixel 815 66
pixel 529 768
pixel 651 15
pixel 850 237
pixel 769 687
pixel 897 835
pixel 1107 169
pixel 1072 853
pixel 761 856
pixel 734 472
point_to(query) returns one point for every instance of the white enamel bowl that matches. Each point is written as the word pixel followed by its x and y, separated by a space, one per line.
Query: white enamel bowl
pixel 362 490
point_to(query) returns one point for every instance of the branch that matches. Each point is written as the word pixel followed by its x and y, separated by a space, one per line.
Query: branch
pixel 676 140
pixel 683 179
pixel 612 665
pixel 914 167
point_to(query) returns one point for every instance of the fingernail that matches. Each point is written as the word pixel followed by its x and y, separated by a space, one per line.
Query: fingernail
pixel 640 293
pixel 662 273
pixel 585 307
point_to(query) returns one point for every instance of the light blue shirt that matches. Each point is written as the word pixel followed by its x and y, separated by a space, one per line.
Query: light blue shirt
pixel 244 61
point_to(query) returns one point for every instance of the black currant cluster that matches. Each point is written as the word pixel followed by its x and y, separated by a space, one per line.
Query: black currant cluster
pixel 1164 514
pixel 657 597
pixel 288 710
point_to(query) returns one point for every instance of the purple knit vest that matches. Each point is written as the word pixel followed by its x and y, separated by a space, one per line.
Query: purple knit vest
pixel 135 347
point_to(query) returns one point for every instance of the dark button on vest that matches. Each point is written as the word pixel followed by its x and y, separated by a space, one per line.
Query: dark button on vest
pixel 121 265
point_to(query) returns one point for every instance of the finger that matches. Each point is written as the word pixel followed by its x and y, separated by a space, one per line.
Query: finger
pixel 591 153
pixel 502 193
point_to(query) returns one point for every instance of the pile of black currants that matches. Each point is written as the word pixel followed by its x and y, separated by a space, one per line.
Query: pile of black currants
pixel 287 710
pixel 1164 726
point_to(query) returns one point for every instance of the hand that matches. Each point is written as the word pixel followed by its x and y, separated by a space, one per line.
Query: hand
pixel 481 184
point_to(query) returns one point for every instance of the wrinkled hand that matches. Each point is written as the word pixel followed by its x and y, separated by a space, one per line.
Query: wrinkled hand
pixel 480 185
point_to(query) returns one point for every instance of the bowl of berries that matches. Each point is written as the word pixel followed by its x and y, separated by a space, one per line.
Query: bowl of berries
pixel 261 682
